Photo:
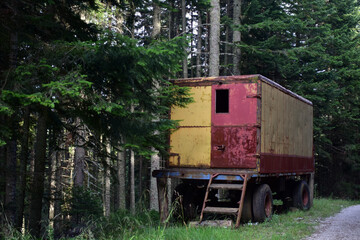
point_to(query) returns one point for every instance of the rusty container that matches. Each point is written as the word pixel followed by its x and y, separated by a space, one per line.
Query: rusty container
pixel 242 122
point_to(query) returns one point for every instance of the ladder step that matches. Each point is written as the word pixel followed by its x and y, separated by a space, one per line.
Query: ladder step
pixel 221 210
pixel 226 186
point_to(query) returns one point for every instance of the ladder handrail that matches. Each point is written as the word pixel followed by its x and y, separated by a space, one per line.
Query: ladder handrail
pixel 241 205
pixel 241 202
pixel 207 194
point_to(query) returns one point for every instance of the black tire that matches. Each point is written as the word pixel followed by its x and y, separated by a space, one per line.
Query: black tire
pixel 301 196
pixel 246 214
pixel 188 201
pixel 262 203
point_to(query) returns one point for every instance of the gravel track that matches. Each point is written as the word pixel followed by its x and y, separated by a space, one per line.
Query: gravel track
pixel 344 225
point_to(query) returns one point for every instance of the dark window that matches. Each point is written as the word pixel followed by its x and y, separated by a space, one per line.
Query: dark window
pixel 222 101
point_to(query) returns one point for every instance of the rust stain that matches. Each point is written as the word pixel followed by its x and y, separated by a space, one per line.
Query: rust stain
pixel 238 147
pixel 234 134
pixel 251 89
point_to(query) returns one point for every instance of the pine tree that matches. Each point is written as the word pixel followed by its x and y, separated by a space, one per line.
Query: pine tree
pixel 309 46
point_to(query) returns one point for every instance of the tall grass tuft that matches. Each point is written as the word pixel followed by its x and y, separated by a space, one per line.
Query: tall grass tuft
pixel 121 225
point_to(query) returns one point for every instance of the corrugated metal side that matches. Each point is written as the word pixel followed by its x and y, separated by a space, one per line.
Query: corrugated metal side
pixel 286 132
pixel 191 143
pixel 234 134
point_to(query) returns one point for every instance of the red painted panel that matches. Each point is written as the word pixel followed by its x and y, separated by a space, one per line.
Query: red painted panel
pixel 242 105
pixel 233 147
pixel 276 163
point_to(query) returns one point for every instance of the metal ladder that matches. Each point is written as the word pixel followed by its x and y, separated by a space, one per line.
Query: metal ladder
pixel 229 186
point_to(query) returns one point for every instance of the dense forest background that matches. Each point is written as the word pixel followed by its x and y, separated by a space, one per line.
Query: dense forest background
pixel 85 94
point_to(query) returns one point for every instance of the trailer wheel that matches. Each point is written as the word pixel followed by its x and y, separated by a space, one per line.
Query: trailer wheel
pixel 246 215
pixel 301 196
pixel 188 199
pixel 262 203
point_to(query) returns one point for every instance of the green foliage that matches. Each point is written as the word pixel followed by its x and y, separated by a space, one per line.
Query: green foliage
pixel 123 225
pixel 85 205
pixel 47 85
pixel 65 66
pixel 127 74
pixel 311 48
pixel 104 78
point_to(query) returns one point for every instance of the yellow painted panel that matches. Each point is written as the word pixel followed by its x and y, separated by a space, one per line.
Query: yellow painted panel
pixel 197 113
pixel 192 147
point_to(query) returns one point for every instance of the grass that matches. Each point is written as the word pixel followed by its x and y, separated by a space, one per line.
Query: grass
pixel 145 225
pixel 291 225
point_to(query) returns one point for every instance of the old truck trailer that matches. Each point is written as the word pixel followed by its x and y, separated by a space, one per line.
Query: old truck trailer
pixel 243 141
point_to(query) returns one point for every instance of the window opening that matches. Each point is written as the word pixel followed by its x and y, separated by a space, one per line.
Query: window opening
pixel 222 101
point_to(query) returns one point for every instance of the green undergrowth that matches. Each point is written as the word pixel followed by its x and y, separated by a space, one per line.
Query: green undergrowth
pixel 290 225
pixel 145 225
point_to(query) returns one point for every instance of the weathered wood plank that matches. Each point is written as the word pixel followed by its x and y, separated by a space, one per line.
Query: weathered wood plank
pixel 286 124
pixel 221 210
pixel 213 223
pixel 163 199
pixel 227 186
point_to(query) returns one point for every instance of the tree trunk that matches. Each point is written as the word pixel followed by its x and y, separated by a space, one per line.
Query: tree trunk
pixel 227 40
pixel 172 21
pixel 30 180
pixel 152 190
pixel 214 38
pixel 11 147
pixel 155 164
pixel 107 193
pixel 79 156
pixel 23 165
pixel 119 20
pixel 2 179
pixel 37 185
pixel 60 156
pixel 206 45
pixel 199 46
pixel 192 46
pixel 156 21
pixel 14 49
pixel 236 37
pixel 47 199
pixel 140 177
pixel 131 18
pixel 183 14
pixel 121 178
pixel 132 183
pixel 10 191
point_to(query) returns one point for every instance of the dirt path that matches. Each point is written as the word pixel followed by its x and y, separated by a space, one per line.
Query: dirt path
pixel 344 225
